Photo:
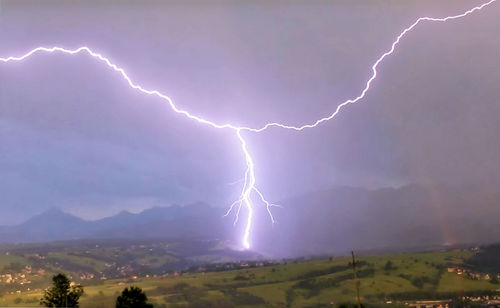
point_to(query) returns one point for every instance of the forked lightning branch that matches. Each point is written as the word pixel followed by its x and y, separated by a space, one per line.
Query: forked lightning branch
pixel 249 192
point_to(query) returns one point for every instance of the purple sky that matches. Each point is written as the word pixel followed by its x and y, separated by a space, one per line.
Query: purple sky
pixel 75 136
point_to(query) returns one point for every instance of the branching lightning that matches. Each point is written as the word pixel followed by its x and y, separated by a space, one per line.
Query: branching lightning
pixel 249 181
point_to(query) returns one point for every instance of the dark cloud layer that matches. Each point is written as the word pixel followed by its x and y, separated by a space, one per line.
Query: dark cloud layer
pixel 73 135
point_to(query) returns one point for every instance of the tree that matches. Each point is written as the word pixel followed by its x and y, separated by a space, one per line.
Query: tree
pixel 133 297
pixel 388 266
pixel 62 293
pixel 494 279
pixel 347 305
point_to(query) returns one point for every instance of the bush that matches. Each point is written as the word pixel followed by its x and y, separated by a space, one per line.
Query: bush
pixel 494 279
pixel 133 297
pixel 241 276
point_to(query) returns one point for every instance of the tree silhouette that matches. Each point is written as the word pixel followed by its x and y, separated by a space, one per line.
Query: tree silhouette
pixel 62 293
pixel 133 297
pixel 347 305
pixel 494 279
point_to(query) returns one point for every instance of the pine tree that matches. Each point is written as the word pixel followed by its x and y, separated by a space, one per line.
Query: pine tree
pixel 62 293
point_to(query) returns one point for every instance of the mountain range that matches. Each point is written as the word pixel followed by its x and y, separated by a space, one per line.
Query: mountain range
pixel 174 222
pixel 323 222
pixel 410 217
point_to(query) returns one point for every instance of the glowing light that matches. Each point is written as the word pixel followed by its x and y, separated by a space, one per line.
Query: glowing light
pixel 374 71
pixel 249 181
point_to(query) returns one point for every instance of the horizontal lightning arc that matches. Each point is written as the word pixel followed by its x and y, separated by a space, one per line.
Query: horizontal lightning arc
pixel 374 72
pixel 125 76
pixel 236 127
pixel 249 181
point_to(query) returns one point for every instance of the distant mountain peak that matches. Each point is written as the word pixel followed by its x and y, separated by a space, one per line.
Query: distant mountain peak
pixel 53 213
pixel 124 213
pixel 53 209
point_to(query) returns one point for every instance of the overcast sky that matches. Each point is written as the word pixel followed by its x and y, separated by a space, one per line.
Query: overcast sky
pixel 73 135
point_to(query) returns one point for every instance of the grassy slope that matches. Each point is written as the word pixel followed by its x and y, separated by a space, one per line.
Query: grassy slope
pixel 277 285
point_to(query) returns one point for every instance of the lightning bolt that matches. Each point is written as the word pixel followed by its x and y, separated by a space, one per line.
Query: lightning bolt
pixel 249 181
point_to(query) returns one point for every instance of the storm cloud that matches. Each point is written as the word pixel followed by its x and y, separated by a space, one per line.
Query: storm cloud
pixel 74 135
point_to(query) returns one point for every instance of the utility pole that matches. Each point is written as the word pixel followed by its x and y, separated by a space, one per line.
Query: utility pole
pixel 355 278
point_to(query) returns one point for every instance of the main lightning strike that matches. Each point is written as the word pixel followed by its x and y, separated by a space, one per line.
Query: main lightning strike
pixel 249 181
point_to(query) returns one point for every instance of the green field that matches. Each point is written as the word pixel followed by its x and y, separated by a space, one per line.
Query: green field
pixel 314 283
